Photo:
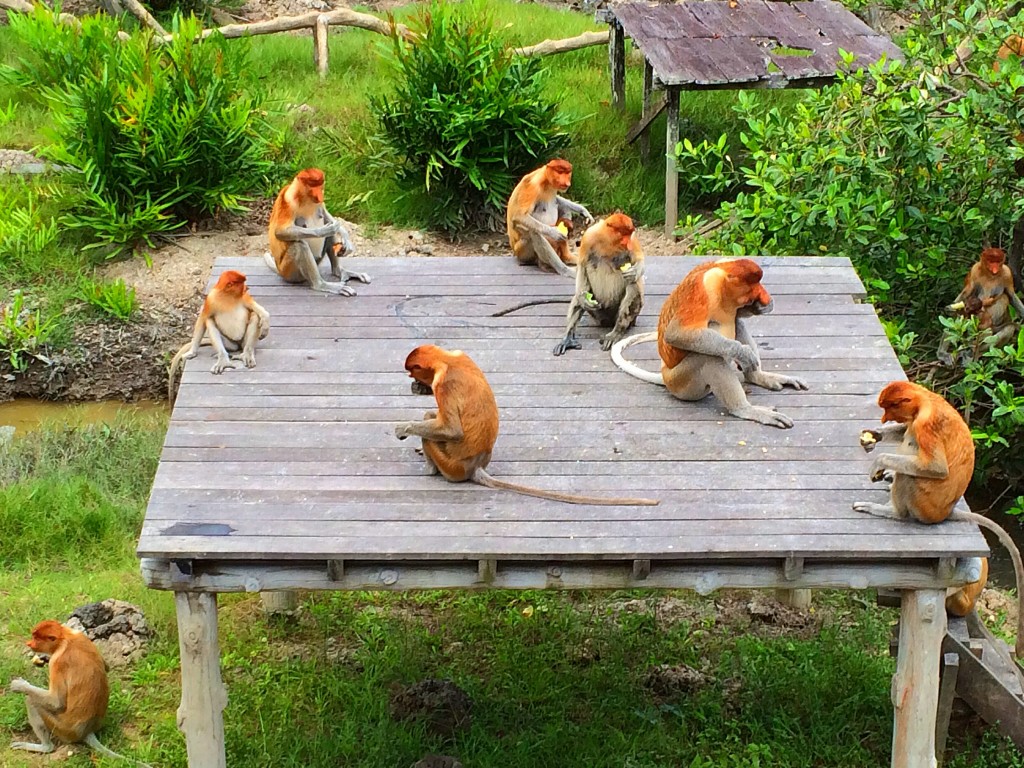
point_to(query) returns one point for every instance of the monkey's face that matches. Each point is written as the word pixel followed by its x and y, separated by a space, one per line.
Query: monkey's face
pixel 993 259
pixel 44 638
pixel 559 175
pixel 898 403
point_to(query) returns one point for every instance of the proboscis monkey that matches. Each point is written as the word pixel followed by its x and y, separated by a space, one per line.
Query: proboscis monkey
pixel 459 436
pixel 534 210
pixel 960 602
pixel 230 317
pixel 1012 46
pixel 931 467
pixel 73 707
pixel 609 281
pixel 988 293
pixel 702 339
pixel 302 232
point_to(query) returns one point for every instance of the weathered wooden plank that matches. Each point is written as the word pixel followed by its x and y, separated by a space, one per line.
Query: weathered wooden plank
pixel 650 450
pixel 852 547
pixel 686 505
pixel 391 486
pixel 742 532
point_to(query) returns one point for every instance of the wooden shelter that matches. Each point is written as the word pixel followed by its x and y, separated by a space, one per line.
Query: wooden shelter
pixel 698 45
pixel 288 475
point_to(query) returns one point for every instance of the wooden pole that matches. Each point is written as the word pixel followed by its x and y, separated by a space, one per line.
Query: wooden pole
pixel 671 175
pixel 800 599
pixel 915 686
pixel 203 695
pixel 617 64
pixel 140 12
pixel 320 32
pixel 547 47
pixel 645 136
pixel 339 17
pixel 279 602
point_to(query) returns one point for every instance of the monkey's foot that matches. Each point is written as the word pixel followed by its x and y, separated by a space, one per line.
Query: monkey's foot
pixel 773 381
pixel 223 365
pixel 763 416
pixel 248 360
pixel 362 277
pixel 28 746
pixel 569 342
pixel 870 508
pixel 339 289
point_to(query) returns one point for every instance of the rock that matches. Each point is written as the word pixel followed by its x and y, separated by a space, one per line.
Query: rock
pixel 674 680
pixel 440 704
pixel 119 629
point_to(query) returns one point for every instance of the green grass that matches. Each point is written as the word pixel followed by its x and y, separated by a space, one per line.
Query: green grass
pixel 556 678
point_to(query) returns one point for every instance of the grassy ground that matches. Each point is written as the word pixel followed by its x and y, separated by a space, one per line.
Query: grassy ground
pixel 556 678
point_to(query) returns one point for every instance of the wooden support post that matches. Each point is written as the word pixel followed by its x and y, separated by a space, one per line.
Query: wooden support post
pixel 320 31
pixel 947 692
pixel 671 175
pixel 915 686
pixel 800 599
pixel 279 602
pixel 617 64
pixel 203 696
pixel 645 137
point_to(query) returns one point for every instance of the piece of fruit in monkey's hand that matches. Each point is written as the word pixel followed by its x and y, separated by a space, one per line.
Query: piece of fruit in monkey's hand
pixel 868 439
pixel 561 227
pixel 626 266
pixel 40 659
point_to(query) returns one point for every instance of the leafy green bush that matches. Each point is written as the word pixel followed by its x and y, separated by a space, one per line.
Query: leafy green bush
pixel 159 133
pixel 23 331
pixel 25 234
pixel 115 299
pixel 908 171
pixel 466 118
pixel 706 170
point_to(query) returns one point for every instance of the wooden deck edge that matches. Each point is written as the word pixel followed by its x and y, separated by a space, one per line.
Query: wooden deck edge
pixel 248 576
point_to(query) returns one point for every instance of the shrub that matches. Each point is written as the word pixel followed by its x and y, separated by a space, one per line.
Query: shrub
pixel 158 133
pixel 25 234
pixel 909 172
pixel 23 331
pixel 466 118
pixel 706 170
pixel 115 299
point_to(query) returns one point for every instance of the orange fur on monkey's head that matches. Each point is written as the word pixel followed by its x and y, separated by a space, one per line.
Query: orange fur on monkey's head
pixel 231 281
pixel 622 225
pixel 993 259
pixel 743 280
pixel 45 636
pixel 424 362
pixel 312 181
pixel 900 401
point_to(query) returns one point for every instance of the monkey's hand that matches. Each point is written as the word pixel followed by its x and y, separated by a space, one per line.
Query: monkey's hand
pixel 632 273
pixel 878 469
pixel 404 429
pixel 362 277
pixel 248 358
pixel 19 685
pixel 609 339
pixel 869 438
pixel 554 235
pixel 569 342
pixel 587 301
pixel 745 357
pixel 419 388
pixel 190 354
pixel 587 218
pixel 264 326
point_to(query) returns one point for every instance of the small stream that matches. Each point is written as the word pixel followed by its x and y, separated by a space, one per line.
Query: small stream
pixel 28 415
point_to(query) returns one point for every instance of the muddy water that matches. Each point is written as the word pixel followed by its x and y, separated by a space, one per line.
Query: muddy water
pixel 27 415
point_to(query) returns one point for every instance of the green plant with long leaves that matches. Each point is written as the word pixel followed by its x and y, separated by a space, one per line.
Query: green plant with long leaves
pixel 465 118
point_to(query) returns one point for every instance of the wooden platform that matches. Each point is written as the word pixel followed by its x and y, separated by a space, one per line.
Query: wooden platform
pixel 289 475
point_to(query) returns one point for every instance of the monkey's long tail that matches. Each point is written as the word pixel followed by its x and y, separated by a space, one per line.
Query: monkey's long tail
pixel 525 304
pixel 480 476
pixel 93 742
pixel 1018 567
pixel 631 368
